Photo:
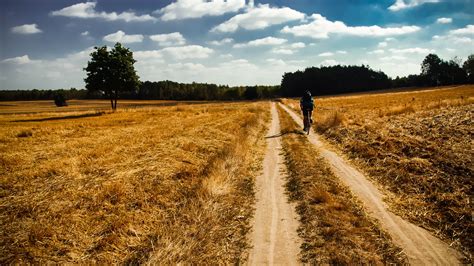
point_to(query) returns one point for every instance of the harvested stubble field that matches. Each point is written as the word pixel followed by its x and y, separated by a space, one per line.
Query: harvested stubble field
pixel 417 146
pixel 43 106
pixel 334 226
pixel 167 184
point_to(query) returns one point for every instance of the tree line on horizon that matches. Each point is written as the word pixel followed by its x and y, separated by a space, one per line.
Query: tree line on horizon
pixel 111 75
pixel 160 90
pixel 330 80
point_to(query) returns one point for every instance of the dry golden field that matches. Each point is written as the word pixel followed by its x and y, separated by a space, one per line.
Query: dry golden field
pixel 334 226
pixel 168 182
pixel 146 185
pixel 34 107
pixel 417 146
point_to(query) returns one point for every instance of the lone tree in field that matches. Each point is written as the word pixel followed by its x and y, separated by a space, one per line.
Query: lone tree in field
pixel 60 98
pixel 111 72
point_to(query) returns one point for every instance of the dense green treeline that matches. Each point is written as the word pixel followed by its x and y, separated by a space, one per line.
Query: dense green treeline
pixel 438 72
pixel 333 80
pixel 161 90
pixel 169 90
pixel 30 95
pixel 346 79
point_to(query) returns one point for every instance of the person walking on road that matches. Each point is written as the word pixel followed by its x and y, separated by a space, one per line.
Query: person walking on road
pixel 307 105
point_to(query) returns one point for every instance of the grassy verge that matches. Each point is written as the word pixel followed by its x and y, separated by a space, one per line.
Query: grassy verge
pixel 334 227
pixel 168 185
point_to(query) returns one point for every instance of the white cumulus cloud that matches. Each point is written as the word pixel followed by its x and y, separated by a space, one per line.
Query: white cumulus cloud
pixel 444 20
pixel 20 60
pixel 289 48
pixel 297 45
pixel 326 54
pixel 222 42
pixel 285 51
pixel 26 29
pixel 453 39
pixel 469 29
pixel 259 17
pixel 416 50
pixel 239 62
pixel 378 52
pixel 404 4
pixel 87 10
pixel 169 39
pixel 64 72
pixel 393 57
pixel 226 56
pixel 190 51
pixel 276 62
pixel 320 28
pixel 329 62
pixel 120 36
pixel 457 37
pixel 184 9
pixel 261 42
pixel 176 53
pixel 187 67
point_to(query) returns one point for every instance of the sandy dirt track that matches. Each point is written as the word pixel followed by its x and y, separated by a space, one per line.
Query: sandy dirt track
pixel 420 246
pixel 274 237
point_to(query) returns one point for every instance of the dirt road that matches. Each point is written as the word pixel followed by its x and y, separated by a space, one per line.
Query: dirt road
pixel 419 245
pixel 274 237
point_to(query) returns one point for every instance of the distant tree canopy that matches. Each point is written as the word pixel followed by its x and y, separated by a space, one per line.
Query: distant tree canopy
pixel 111 73
pixel 169 90
pixel 468 67
pixel 345 79
pixel 333 80
pixel 431 69
pixel 29 95
pixel 436 71
pixel 160 90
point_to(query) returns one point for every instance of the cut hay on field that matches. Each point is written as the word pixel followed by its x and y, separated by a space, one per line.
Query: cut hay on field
pixel 149 185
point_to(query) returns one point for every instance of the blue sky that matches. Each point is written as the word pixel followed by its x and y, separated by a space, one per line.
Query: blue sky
pixel 45 44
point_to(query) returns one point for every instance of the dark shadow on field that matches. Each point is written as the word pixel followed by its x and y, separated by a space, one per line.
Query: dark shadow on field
pixel 60 117
pixel 286 132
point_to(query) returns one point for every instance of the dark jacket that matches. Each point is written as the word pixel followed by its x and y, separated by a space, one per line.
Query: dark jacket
pixel 306 103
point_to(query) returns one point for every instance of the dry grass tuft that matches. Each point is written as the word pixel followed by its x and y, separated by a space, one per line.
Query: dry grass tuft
pixel 397 110
pixel 329 120
pixel 451 103
pixel 25 134
pixel 148 185
pixel 334 227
